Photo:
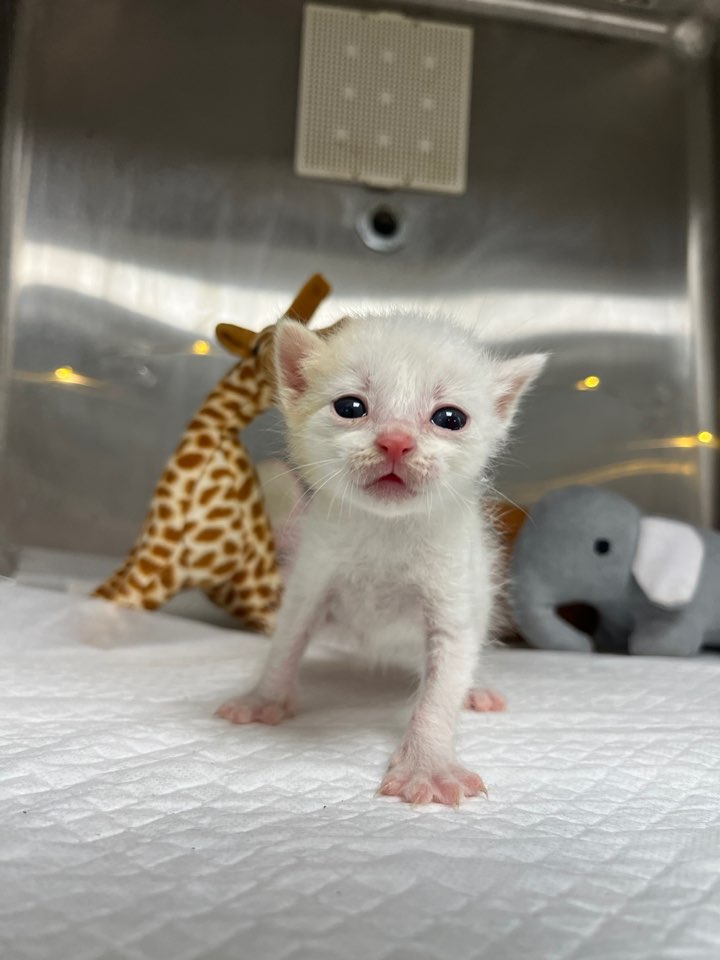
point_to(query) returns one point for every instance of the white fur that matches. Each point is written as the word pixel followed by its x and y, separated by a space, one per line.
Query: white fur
pixel 410 575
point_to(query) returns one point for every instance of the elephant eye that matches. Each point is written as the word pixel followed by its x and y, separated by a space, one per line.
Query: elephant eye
pixel 601 546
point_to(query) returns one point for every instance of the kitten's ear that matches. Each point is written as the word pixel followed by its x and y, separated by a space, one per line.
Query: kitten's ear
pixel 294 346
pixel 513 377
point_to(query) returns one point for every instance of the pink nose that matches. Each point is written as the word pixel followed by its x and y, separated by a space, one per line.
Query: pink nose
pixel 396 444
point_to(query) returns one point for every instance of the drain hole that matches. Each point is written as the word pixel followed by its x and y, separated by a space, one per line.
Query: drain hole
pixel 385 222
pixel 382 228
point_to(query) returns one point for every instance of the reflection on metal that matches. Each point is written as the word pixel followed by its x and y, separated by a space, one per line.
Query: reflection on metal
pixel 694 37
pixel 191 302
pixel 529 493
pixel 702 119
pixel 580 17
pixel 179 300
pixel 148 202
pixel 61 376
pixel 589 383
pixel 691 442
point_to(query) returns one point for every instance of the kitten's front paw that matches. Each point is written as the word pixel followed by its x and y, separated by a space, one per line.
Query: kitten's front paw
pixel 441 783
pixel 252 708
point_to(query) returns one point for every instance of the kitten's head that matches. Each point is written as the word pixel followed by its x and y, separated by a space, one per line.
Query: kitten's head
pixel 397 413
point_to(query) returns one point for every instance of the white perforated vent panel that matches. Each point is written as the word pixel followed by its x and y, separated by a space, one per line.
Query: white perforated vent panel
pixel 384 100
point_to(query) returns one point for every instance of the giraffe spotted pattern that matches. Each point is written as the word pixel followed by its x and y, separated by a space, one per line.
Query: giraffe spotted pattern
pixel 207 526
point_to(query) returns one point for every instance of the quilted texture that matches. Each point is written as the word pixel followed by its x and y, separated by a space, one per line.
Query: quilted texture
pixel 134 825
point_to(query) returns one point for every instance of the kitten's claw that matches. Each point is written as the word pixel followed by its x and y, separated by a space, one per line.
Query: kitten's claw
pixel 252 708
pixel 484 701
pixel 445 784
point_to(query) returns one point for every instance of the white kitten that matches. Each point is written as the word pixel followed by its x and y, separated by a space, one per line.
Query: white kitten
pixel 392 421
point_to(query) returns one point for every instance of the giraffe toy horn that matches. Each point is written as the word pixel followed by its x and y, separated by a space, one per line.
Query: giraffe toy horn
pixel 240 341
pixel 309 299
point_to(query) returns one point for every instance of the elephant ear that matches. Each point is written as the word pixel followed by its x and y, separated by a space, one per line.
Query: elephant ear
pixel 668 561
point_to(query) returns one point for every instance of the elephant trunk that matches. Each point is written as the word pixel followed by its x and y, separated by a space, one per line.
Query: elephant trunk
pixel 538 621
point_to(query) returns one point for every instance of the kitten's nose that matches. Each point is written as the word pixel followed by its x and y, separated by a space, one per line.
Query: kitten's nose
pixel 396 444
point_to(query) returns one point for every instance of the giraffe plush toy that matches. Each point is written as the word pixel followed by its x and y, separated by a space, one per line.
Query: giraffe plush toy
pixel 207 526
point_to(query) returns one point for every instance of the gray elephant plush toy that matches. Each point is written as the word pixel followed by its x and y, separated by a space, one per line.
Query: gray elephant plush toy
pixel 654 582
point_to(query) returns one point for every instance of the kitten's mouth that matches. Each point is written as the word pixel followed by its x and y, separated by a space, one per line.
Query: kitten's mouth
pixel 391 478
pixel 389 485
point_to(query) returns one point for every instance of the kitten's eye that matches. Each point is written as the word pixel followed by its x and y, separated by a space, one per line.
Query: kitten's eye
pixel 350 408
pixel 449 417
pixel 601 547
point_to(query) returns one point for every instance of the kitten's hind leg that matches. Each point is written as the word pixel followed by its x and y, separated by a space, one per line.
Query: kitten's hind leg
pixel 253 708
pixel 482 700
pixel 272 698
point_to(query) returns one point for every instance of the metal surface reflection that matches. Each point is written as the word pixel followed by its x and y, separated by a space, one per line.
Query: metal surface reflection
pixel 149 194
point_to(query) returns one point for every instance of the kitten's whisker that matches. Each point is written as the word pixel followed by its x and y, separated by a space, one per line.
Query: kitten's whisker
pixel 300 499
pixel 453 493
pixel 348 480
pixel 313 493
pixel 463 502
pixel 472 502
pixel 334 498
pixel 428 499
pixel 316 490
pixel 494 490
pixel 315 463
pixel 505 460
pixel 352 487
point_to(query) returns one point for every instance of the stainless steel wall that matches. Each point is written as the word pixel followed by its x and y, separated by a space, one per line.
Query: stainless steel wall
pixel 149 194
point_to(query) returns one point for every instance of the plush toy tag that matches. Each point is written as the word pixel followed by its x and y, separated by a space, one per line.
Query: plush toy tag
pixel 668 561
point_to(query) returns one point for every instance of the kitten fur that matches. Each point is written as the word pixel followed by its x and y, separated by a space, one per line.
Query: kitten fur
pixel 396 551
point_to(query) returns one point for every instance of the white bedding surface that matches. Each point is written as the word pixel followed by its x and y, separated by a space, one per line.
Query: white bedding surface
pixel 135 825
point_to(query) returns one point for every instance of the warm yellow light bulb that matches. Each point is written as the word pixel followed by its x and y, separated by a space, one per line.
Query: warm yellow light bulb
pixel 64 373
pixel 201 347
pixel 705 436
